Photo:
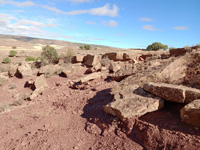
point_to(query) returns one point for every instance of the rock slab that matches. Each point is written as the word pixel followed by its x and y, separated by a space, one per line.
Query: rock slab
pixel 128 103
pixel 173 93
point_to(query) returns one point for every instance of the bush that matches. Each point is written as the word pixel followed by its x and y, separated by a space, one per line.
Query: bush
pixel 30 58
pixel 156 46
pixel 14 47
pixel 87 47
pixel 50 54
pixel 81 47
pixel 6 60
pixel 12 53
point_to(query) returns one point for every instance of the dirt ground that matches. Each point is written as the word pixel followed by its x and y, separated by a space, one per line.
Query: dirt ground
pixel 65 118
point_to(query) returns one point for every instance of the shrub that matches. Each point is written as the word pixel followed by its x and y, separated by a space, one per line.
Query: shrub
pixel 12 53
pixel 187 48
pixel 81 47
pixel 50 54
pixel 70 53
pixel 14 47
pixel 30 58
pixel 156 46
pixel 87 47
pixel 6 60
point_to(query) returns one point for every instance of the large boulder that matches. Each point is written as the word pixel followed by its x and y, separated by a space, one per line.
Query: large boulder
pixel 173 93
pixel 91 60
pixel 50 70
pixel 175 71
pixel 97 67
pixel 132 101
pixel 118 56
pixel 40 85
pixel 77 59
pixel 190 113
pixel 24 70
pixel 114 67
pixel 124 72
pixel 12 70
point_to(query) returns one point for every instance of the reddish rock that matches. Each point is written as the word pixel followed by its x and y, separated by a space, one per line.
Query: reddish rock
pixel 190 113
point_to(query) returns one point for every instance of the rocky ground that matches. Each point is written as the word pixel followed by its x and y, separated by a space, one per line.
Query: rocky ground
pixel 109 101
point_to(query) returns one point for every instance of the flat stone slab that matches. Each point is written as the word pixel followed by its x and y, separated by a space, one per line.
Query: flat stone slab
pixel 130 104
pixel 173 93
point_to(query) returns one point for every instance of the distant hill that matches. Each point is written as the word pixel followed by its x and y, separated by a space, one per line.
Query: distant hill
pixel 24 40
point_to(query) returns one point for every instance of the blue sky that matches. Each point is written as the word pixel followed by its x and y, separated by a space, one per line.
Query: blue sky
pixel 117 23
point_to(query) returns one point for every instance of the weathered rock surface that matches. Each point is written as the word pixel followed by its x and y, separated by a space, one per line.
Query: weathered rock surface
pixel 77 59
pixel 95 68
pixel 12 70
pixel 177 52
pixel 129 102
pixel 24 70
pixel 124 72
pixel 114 67
pixel 190 113
pixel 90 77
pixel 118 56
pixel 40 85
pixel 91 60
pixel 175 71
pixel 174 93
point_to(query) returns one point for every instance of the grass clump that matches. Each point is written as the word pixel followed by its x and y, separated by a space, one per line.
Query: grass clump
pixel 6 60
pixel 13 53
pixel 30 58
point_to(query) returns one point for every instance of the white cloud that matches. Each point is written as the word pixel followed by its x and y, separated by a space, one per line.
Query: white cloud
pixel 150 27
pixel 180 28
pixel 12 25
pixel 106 10
pixel 91 22
pixel 20 4
pixel 54 9
pixel 110 23
pixel 146 19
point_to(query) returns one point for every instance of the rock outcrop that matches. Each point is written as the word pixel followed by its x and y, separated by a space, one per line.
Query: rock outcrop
pixel 24 70
pixel 173 93
pixel 190 113
pixel 40 85
pixel 131 101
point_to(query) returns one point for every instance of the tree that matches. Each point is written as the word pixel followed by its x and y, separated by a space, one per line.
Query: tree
pixel 50 54
pixel 156 46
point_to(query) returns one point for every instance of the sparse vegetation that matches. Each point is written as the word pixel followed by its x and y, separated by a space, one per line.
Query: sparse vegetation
pixel 198 45
pixel 6 60
pixel 13 53
pixel 50 54
pixel 30 58
pixel 157 46
pixel 81 47
pixel 14 47
pixel 85 47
